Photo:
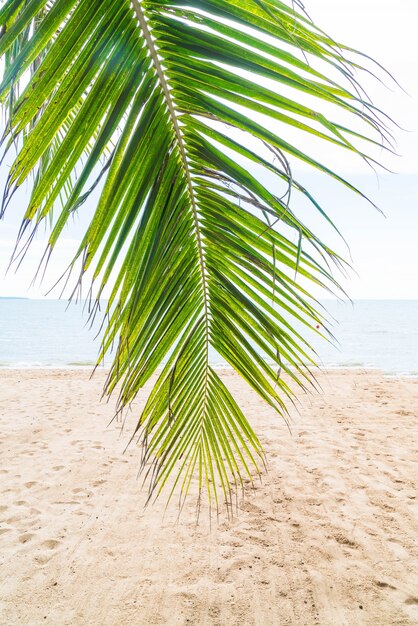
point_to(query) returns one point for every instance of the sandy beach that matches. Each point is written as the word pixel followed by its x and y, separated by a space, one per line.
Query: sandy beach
pixel 329 536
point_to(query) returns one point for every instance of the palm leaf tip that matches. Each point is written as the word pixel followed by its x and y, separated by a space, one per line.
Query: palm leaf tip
pixel 171 114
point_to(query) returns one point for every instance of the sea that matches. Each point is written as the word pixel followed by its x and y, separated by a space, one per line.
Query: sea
pixel 380 334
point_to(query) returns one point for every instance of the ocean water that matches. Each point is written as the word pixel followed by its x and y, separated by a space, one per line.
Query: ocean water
pixel 379 334
pixel 46 333
pixel 371 333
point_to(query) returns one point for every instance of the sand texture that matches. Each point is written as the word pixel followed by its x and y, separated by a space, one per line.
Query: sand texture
pixel 329 537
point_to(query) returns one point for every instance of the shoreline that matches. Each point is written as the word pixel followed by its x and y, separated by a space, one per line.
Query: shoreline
pixel 322 371
pixel 328 536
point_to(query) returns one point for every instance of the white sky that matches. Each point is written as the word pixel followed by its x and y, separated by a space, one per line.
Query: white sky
pixel 384 250
pixel 387 32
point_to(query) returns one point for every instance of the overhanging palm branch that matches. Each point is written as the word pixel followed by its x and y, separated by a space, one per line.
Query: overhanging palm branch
pixel 178 112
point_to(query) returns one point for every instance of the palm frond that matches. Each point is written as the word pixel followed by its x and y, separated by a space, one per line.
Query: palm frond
pixel 178 112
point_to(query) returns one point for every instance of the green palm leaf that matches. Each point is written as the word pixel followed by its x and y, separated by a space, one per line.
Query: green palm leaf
pixel 167 108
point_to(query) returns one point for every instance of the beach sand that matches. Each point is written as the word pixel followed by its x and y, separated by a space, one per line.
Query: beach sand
pixel 329 536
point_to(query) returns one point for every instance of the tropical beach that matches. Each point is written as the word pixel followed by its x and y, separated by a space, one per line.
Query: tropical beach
pixel 204 184
pixel 328 536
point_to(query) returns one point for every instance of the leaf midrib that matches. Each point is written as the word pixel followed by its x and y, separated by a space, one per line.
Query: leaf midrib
pixel 139 12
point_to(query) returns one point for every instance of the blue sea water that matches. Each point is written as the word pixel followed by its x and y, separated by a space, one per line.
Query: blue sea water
pixel 380 334
pixel 371 333
pixel 46 333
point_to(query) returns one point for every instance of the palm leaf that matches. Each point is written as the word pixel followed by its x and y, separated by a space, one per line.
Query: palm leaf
pixel 177 112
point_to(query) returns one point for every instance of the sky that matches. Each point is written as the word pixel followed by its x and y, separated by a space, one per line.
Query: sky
pixel 383 249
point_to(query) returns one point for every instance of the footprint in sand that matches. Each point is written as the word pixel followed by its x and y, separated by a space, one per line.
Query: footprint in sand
pixel 187 598
pixel 231 566
pixel 51 544
pixel 97 483
pixel 42 560
pixel 57 468
pixel 83 492
pixel 4 471
pixel 25 537
pixel 345 541
pixel 234 544
pixel 31 484
pixel 3 508
pixel 383 585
